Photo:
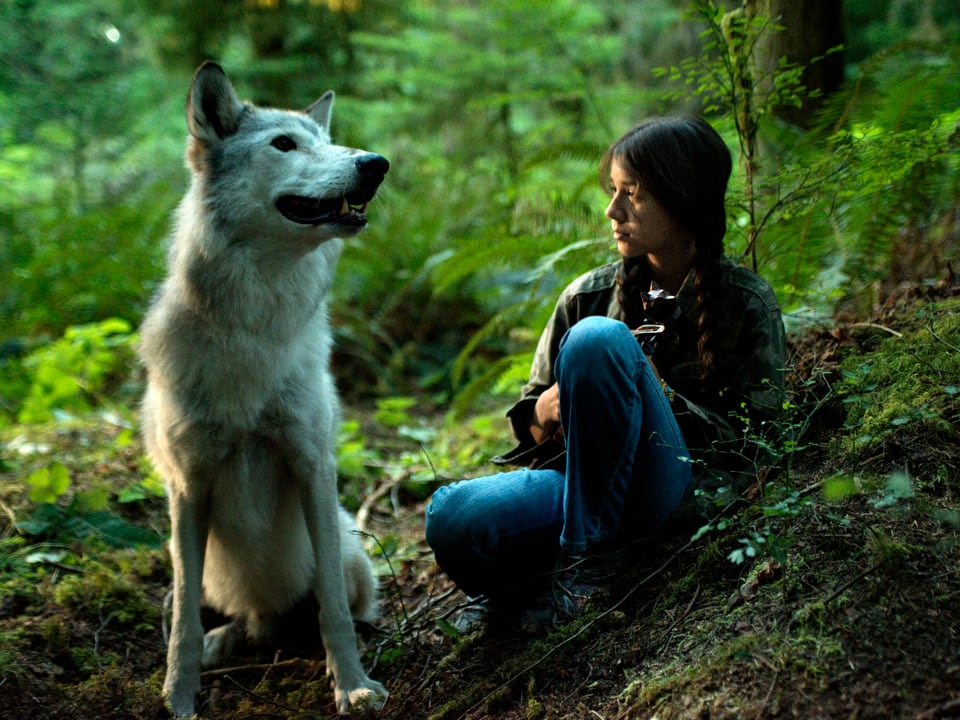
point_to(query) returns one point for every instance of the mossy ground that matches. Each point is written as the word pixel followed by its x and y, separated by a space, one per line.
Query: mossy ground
pixel 849 608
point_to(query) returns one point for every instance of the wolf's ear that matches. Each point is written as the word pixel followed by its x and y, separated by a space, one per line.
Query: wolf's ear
pixel 320 111
pixel 212 104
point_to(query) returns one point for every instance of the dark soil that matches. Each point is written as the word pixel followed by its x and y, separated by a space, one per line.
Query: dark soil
pixel 850 609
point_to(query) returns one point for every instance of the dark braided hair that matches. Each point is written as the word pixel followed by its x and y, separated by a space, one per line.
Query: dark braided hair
pixel 685 165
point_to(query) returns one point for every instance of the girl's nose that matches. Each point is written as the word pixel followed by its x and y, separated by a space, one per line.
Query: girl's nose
pixel 612 211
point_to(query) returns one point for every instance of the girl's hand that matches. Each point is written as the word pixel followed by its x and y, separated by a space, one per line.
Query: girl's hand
pixel 546 414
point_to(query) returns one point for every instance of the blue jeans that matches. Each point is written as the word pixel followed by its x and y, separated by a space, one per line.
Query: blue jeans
pixel 627 469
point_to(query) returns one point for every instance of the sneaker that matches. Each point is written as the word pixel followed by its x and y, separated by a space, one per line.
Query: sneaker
pixel 527 611
pixel 484 614
pixel 581 578
pixel 473 615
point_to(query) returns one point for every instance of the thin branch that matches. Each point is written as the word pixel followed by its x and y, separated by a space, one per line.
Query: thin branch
pixel 217 672
pixel 878 327
pixel 852 581
pixel 364 512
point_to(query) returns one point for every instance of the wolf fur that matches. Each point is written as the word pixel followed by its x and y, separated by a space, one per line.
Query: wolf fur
pixel 240 414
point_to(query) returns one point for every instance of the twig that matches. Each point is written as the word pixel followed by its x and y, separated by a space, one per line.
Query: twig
pixel 62 566
pixel 216 672
pixel 430 603
pixel 878 327
pixel 937 337
pixel 855 579
pixel 393 575
pixel 683 615
pixel 259 697
pixel 364 512
pixel 773 685
pixel 13 519
pixel 103 626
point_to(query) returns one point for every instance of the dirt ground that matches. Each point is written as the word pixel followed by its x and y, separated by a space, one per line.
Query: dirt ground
pixel 850 609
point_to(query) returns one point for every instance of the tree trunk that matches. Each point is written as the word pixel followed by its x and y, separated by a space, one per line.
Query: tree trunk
pixel 811 28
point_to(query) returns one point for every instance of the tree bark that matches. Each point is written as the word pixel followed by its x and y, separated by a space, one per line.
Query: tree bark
pixel 811 28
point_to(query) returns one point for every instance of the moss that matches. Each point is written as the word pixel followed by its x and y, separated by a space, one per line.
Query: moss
pixel 102 591
pixel 675 681
pixel 913 379
pixel 12 643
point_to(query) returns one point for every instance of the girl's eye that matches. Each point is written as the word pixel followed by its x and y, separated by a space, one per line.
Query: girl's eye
pixel 284 143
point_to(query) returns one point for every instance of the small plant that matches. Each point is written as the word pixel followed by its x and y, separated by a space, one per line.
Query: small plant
pixel 727 80
pixel 48 484
pixel 392 411
pixel 86 517
pixel 74 373
pixel 73 522
pixel 354 458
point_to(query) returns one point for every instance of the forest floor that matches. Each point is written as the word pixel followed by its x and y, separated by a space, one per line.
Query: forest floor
pixel 848 608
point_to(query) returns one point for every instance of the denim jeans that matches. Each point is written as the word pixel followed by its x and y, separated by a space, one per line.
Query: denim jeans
pixel 627 470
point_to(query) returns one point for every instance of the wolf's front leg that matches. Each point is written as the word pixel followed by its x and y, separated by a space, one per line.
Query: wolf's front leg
pixel 189 522
pixel 354 691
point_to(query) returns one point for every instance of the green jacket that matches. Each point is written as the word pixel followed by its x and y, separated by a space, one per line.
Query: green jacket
pixel 729 421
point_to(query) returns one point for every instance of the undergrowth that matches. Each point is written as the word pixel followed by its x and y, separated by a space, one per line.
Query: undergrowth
pixel 76 601
pixel 911 378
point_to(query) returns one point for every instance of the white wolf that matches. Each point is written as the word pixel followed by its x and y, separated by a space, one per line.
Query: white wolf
pixel 240 414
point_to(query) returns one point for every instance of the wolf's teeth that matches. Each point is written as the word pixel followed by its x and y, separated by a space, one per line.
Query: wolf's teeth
pixel 345 209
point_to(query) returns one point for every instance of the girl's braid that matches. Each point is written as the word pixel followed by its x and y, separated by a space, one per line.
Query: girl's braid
pixel 710 316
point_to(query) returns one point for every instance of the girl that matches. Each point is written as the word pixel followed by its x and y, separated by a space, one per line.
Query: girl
pixel 647 431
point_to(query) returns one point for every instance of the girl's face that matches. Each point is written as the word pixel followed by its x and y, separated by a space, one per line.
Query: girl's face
pixel 640 224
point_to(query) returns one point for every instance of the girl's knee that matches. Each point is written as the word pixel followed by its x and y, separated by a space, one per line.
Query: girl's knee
pixel 596 341
pixel 440 518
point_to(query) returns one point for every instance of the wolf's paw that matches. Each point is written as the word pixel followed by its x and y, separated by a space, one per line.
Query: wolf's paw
pixel 180 695
pixel 361 701
pixel 218 645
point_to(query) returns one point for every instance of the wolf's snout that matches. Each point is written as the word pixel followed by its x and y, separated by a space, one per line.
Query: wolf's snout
pixel 372 166
pixel 370 171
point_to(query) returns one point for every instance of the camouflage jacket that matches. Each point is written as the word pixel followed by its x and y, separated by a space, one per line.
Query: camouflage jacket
pixel 729 420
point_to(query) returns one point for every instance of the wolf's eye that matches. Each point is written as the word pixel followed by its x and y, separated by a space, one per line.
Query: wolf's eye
pixel 283 143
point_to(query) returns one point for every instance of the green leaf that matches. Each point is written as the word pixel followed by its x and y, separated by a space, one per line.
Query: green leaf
pixel 41 520
pixel 113 530
pixel 33 527
pixel 48 484
pixel 92 500
pixel 448 629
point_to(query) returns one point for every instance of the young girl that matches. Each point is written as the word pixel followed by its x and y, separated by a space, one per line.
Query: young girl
pixel 645 430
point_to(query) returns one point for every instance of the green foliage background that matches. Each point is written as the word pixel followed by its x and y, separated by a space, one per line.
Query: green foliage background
pixel 493 115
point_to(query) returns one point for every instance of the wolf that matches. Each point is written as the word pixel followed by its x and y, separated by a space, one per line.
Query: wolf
pixel 240 412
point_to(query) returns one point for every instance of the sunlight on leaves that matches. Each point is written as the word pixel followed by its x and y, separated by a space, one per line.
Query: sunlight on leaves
pixel 48 484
